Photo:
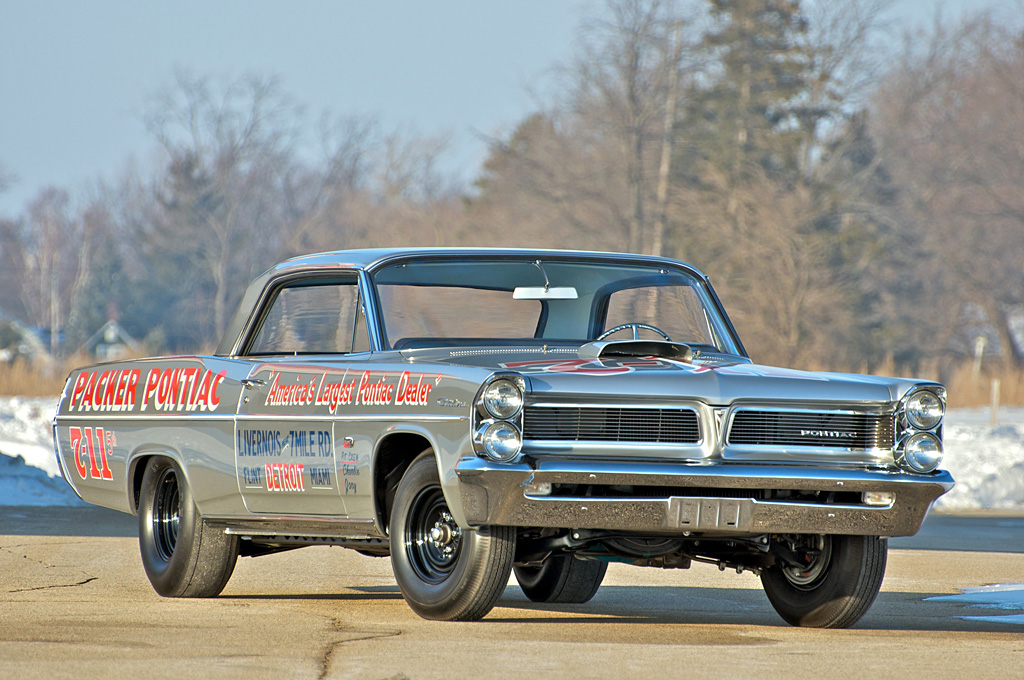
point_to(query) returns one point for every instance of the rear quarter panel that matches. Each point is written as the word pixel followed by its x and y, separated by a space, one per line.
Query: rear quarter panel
pixel 111 417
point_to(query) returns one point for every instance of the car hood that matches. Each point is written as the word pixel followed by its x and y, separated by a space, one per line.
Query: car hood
pixel 713 378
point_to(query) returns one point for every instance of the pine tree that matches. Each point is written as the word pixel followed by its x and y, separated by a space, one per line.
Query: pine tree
pixel 750 116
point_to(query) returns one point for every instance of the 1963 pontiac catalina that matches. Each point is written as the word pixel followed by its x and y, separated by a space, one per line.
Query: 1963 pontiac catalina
pixel 477 412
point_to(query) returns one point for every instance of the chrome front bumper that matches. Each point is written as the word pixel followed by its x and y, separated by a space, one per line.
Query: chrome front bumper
pixel 492 493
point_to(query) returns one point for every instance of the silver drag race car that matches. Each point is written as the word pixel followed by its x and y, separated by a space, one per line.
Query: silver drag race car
pixel 477 412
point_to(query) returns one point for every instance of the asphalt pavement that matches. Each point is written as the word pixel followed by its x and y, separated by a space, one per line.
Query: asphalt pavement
pixel 75 603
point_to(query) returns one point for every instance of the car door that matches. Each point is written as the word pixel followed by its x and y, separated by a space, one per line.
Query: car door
pixel 288 458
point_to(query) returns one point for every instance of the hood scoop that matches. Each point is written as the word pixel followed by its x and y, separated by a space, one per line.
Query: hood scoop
pixel 636 348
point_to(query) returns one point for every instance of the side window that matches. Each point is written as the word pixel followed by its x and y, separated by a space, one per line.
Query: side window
pixel 313 317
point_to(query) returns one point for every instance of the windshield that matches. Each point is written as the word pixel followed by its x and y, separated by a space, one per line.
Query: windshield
pixel 448 302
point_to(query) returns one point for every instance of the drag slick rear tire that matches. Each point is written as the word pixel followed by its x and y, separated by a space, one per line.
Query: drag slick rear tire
pixel 562 578
pixel 445 572
pixel 183 557
pixel 835 584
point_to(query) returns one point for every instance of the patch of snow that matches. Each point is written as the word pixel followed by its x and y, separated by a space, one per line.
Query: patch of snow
pixel 29 473
pixel 986 461
pixel 1002 596
pixel 23 484
pixel 26 430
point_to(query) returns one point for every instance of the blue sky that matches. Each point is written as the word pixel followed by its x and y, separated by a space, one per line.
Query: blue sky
pixel 76 76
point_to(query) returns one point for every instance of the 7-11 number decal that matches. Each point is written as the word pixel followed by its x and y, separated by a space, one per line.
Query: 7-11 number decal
pixel 91 447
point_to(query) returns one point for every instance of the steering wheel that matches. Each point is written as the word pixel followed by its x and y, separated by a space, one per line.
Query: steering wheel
pixel 636 330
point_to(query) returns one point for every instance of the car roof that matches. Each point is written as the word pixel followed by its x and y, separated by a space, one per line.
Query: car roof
pixel 372 258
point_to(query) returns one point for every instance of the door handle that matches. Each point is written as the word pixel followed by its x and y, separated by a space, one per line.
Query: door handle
pixel 253 383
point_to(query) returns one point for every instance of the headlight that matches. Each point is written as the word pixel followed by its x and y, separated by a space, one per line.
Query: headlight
pixel 924 409
pixel 921 453
pixel 502 441
pixel 502 399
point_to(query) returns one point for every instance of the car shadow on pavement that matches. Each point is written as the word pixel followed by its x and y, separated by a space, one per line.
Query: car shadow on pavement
pixel 364 593
pixel 662 609
pixel 746 607
pixel 334 597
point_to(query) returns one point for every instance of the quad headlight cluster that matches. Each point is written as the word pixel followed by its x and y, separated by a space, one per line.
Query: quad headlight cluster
pixel 498 423
pixel 919 429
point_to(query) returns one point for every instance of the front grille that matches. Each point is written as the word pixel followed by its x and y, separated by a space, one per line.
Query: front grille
pixel 822 430
pixel 611 424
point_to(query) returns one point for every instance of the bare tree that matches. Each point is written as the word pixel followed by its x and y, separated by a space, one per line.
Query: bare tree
pixel 595 167
pixel 951 120
pixel 220 203
pixel 48 258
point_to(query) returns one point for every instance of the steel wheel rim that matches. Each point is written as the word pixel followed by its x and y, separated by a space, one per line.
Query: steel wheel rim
pixel 166 514
pixel 808 577
pixel 433 541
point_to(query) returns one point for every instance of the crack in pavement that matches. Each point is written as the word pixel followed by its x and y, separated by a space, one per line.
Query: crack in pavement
pixel 10 550
pixel 62 585
pixel 325 659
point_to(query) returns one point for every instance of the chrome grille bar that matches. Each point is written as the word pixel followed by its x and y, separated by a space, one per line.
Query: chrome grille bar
pixel 815 429
pixel 611 424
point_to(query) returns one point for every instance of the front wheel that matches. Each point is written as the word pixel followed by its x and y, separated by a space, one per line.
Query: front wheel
pixel 445 572
pixel 828 581
pixel 183 557
pixel 562 578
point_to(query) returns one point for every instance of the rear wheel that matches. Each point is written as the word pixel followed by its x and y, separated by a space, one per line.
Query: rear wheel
pixel 445 572
pixel 183 557
pixel 829 581
pixel 562 578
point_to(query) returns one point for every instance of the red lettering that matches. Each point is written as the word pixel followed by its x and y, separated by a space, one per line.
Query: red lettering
pixel 133 382
pixel 101 444
pixel 410 394
pixel 94 471
pixel 214 398
pixel 374 394
pixel 91 458
pixel 284 477
pixel 80 383
pixel 122 382
pixel 187 382
pixel 105 394
pixel 90 387
pixel 174 390
pixel 152 380
pixel 76 447
pixel 163 390
pixel 204 390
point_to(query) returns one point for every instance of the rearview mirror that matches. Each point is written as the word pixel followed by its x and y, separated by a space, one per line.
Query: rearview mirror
pixel 542 293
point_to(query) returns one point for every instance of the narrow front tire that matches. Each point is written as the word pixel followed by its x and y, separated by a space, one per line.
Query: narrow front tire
pixel 561 579
pixel 832 585
pixel 445 572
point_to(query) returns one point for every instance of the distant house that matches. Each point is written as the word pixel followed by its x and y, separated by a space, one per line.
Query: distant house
pixel 18 340
pixel 110 342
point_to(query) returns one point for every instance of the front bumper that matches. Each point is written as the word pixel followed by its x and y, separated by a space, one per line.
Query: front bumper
pixel 492 493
